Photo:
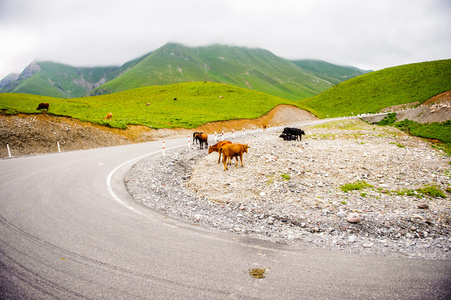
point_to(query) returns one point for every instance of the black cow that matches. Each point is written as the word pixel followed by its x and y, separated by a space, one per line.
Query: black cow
pixel 287 137
pixel 290 132
pixel 202 138
pixel 194 135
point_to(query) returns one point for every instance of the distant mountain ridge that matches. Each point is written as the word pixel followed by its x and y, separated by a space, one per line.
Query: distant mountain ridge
pixel 255 69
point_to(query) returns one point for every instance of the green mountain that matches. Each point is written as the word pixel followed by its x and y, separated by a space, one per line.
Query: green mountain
pixel 388 87
pixel 254 69
pixel 330 72
pixel 58 80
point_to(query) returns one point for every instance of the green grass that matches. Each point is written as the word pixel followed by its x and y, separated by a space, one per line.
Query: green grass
pixel 285 177
pixel 392 86
pixel 433 191
pixel 435 131
pixel 197 103
pixel 358 185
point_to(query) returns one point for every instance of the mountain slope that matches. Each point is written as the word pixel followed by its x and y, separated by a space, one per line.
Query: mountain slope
pixel 255 69
pixel 388 87
pixel 330 72
pixel 59 80
pixel 52 79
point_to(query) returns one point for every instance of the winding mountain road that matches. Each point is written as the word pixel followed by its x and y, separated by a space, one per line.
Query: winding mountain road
pixel 70 230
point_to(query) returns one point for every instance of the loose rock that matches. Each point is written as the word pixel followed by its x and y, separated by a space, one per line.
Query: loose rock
pixel 290 191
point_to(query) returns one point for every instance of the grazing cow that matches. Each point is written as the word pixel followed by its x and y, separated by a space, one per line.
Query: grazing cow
pixel 109 116
pixel 202 138
pixel 232 150
pixel 42 106
pixel 194 139
pixel 216 147
pixel 293 132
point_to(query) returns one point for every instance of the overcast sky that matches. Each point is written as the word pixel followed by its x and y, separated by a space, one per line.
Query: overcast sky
pixel 368 34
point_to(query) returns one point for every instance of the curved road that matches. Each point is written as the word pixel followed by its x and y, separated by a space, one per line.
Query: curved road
pixel 70 230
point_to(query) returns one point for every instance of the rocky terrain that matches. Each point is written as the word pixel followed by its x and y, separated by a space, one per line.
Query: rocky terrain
pixel 295 192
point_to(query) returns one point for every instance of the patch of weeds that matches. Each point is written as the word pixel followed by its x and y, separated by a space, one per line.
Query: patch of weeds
pixel 285 176
pixel 358 185
pixel 270 179
pixel 388 120
pixel 433 191
pixel 448 189
pixel 405 192
pixel 257 273
pixel 363 194
pixel 343 202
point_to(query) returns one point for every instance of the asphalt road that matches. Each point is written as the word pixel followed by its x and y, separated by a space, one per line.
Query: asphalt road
pixel 70 230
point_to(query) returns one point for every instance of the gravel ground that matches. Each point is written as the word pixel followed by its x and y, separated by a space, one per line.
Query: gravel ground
pixel 290 191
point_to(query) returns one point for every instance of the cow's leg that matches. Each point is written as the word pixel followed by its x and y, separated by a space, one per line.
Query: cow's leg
pixel 224 161
pixel 241 159
pixel 219 159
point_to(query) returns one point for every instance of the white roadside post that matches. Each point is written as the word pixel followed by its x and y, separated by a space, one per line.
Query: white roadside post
pixel 59 149
pixel 244 131
pixel 163 149
pixel 222 135
pixel 233 133
pixel 9 151
pixel 188 141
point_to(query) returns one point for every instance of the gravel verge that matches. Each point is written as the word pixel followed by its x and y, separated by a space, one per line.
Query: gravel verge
pixel 290 191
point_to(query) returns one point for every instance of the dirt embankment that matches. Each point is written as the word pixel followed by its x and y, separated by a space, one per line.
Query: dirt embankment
pixel 41 133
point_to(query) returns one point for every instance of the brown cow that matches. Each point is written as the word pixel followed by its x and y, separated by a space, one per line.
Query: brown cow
pixel 232 150
pixel 202 138
pixel 216 148
pixel 42 106
pixel 109 116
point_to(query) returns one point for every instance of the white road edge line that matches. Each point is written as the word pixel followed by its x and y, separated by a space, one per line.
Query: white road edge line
pixel 110 175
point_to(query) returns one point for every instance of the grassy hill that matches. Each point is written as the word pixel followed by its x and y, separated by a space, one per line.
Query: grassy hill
pixel 392 86
pixel 254 69
pixel 197 103
pixel 330 72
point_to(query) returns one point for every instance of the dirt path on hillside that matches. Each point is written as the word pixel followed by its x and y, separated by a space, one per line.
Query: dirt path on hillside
pixel 41 133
